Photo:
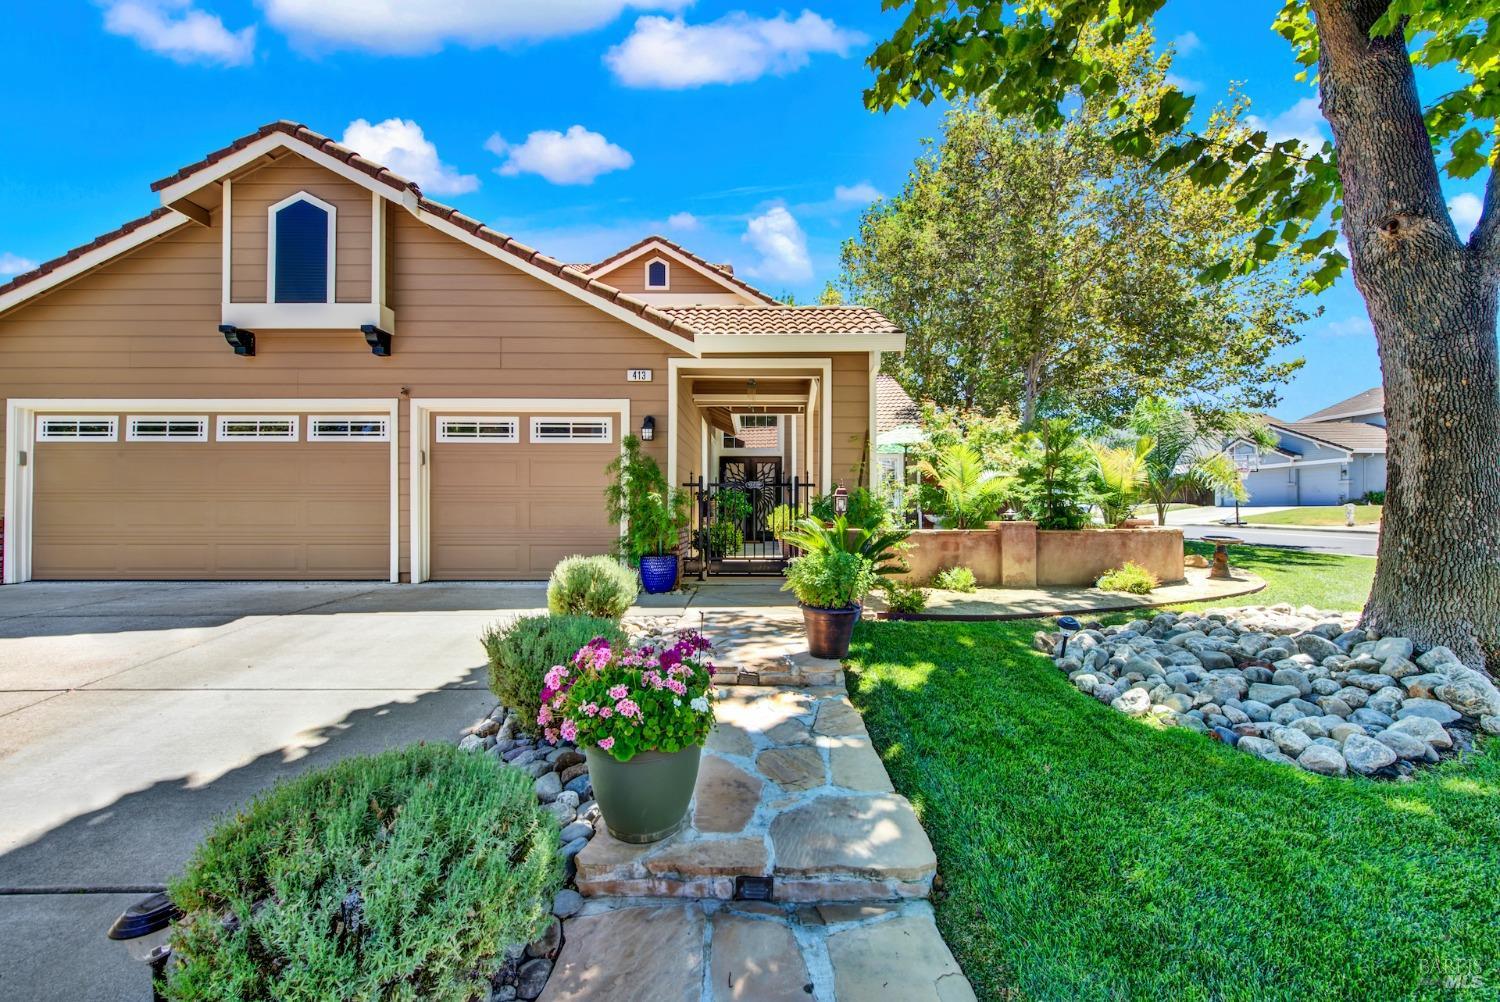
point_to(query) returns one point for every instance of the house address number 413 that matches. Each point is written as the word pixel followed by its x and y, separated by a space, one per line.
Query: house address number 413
pixel 638 375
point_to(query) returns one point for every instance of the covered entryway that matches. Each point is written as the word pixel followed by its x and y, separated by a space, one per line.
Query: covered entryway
pixel 136 495
pixel 511 494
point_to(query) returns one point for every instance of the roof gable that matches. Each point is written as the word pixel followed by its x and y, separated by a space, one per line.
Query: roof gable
pixel 721 275
pixel 1346 436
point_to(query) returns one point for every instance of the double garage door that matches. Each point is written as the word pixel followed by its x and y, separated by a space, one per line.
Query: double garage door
pixel 307 496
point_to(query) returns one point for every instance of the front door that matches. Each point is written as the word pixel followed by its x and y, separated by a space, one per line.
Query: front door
pixel 758 478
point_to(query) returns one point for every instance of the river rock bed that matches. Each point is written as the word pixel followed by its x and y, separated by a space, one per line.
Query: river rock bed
pixel 1295 686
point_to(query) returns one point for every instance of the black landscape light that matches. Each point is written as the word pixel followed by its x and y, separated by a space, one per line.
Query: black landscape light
pixel 1068 626
pixel 144 928
pixel 648 428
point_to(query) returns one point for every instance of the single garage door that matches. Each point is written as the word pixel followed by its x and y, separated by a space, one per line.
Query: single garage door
pixel 512 494
pixel 234 496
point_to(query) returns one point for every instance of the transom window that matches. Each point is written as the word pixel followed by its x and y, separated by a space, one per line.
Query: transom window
pixel 258 429
pixel 368 429
pixel 300 250
pixel 77 429
pixel 481 429
pixel 167 428
pixel 571 429
pixel 757 420
pixel 658 276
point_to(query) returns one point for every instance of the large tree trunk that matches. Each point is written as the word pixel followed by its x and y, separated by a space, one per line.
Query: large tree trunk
pixel 1432 300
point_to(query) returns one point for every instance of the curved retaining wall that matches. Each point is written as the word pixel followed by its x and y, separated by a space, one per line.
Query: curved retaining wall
pixel 1018 555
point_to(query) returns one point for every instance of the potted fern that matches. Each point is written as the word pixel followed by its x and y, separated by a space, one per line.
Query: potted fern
pixel 838 567
pixel 654 514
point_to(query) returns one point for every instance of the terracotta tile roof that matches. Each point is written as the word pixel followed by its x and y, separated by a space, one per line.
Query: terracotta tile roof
pixel 783 320
pixel 1348 435
pixel 894 407
pixel 47 267
pixel 301 132
pixel 724 271
pixel 1368 402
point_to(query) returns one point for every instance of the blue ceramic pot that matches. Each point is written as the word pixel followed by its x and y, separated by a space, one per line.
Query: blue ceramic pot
pixel 659 574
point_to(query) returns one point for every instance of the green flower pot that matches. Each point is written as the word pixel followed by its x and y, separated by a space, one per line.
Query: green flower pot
pixel 645 799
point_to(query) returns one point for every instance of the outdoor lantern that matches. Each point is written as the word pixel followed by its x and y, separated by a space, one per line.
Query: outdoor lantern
pixel 648 428
pixel 144 928
pixel 841 501
pixel 1068 626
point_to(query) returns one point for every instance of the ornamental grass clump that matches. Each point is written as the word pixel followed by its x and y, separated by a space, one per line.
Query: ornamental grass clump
pixel 1130 578
pixel 398 876
pixel 625 700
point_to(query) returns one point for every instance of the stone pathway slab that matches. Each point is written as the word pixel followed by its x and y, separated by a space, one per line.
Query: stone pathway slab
pixel 640 954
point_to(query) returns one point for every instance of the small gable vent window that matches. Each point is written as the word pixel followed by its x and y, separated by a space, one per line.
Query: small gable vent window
pixel 657 276
pixel 300 250
pixel 596 430
pixel 77 429
pixel 368 429
pixel 165 429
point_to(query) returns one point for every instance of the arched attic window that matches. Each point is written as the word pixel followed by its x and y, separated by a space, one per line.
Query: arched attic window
pixel 300 250
pixel 657 275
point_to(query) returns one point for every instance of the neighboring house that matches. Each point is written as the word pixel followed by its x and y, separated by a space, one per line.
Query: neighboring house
pixel 1333 456
pixel 301 367
pixel 898 424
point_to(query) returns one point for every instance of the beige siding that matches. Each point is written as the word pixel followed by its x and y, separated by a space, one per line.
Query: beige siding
pixel 254 193
pixel 689 436
pixel 631 277
pixel 851 417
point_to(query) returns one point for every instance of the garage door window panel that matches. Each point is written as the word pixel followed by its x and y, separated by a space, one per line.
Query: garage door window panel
pixel 77 429
pixel 501 430
pixel 566 430
pixel 257 429
pixel 171 428
pixel 348 429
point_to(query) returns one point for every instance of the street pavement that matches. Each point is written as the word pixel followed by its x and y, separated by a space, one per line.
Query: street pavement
pixel 1363 544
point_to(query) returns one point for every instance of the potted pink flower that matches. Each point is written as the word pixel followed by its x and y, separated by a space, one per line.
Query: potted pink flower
pixel 641 715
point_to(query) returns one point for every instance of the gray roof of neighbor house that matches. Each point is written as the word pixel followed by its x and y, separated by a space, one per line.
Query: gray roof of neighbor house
pixel 1371 401
pixel 1353 436
pixel 894 407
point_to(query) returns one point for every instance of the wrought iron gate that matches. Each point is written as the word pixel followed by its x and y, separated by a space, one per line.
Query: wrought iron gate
pixel 736 519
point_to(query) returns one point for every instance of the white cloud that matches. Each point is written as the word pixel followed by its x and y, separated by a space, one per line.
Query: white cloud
pixel 859 193
pixel 178 30
pixel 669 53
pixel 398 143
pixel 400 27
pixel 14 264
pixel 1188 85
pixel 684 221
pixel 781 244
pixel 1303 122
pixel 577 156
pixel 1355 326
pixel 1465 210
pixel 1187 43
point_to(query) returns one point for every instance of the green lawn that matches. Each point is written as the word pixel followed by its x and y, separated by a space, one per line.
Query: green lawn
pixel 1087 855
pixel 1325 580
pixel 1364 514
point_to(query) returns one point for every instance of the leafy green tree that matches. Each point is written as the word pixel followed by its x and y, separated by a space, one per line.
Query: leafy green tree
pixel 1043 268
pixel 1186 453
pixel 1053 480
pixel 1432 295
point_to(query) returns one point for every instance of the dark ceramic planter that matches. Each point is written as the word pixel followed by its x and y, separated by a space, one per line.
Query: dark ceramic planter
pixel 829 630
pixel 645 799
pixel 659 574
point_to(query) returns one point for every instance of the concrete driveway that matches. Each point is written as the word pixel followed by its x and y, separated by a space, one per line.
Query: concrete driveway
pixel 133 715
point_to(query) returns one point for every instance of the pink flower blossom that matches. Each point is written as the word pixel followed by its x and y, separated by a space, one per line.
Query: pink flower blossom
pixel 555 676
pixel 605 713
pixel 618 692
pixel 676 686
pixel 606 743
pixel 590 709
pixel 550 735
pixel 628 708
pixel 544 716
pixel 569 731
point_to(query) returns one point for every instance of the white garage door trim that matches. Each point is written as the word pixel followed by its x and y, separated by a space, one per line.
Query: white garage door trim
pixel 20 450
pixel 420 442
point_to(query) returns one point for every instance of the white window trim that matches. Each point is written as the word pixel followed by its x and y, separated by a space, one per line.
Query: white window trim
pixel 646 277
pixel 382 419
pixel 510 439
pixel 131 435
pixel 608 422
pixel 333 229
pixel 227 419
pixel 43 436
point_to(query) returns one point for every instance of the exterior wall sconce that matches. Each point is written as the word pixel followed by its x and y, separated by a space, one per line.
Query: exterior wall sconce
pixel 378 340
pixel 648 428
pixel 242 341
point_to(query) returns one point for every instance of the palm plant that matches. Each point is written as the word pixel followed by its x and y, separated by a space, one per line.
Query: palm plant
pixel 971 491
pixel 881 547
pixel 1186 455
pixel 1120 477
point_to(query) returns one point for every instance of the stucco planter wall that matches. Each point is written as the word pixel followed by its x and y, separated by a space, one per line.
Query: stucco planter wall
pixel 1018 555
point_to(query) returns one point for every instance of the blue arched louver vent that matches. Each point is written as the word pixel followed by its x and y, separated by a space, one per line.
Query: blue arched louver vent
pixel 656 274
pixel 301 254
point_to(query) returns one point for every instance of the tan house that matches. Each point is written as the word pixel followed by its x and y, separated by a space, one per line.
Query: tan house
pixel 301 367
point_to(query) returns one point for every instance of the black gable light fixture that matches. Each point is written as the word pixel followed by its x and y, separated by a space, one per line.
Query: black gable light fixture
pixel 241 340
pixel 378 340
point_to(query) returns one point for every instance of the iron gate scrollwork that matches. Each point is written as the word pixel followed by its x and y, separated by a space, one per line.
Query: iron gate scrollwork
pixel 736 520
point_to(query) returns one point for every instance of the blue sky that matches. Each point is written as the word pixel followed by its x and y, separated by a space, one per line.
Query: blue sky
pixel 574 125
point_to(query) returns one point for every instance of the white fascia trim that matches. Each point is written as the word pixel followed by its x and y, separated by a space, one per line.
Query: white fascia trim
pixel 331 263
pixel 871 418
pixel 678 367
pixel 1299 465
pixel 713 343
pixel 20 435
pixel 662 250
pixel 668 299
pixel 93 259
pixel 308 316
pixel 1345 414
pixel 419 447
